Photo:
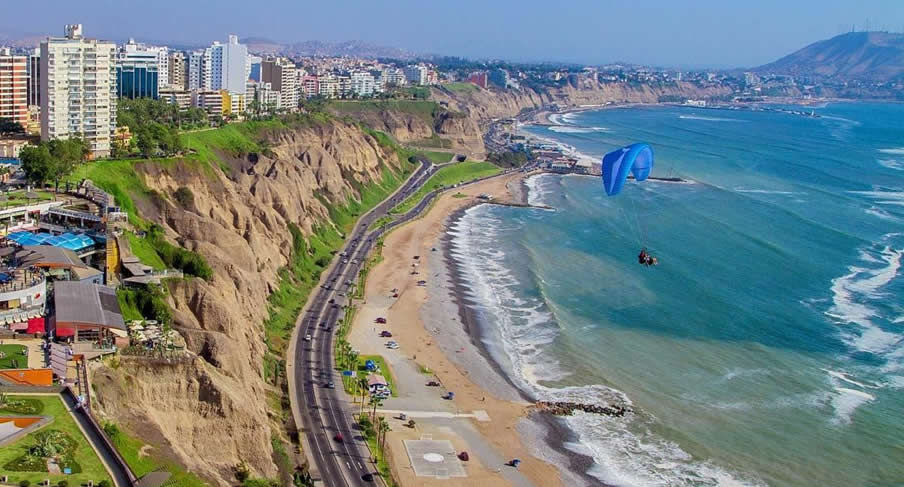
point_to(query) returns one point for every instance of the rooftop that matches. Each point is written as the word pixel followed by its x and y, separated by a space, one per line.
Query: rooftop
pixel 83 303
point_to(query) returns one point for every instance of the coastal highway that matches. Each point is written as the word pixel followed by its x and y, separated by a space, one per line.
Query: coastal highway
pixel 322 412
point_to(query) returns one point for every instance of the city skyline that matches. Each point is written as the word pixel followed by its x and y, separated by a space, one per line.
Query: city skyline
pixel 655 33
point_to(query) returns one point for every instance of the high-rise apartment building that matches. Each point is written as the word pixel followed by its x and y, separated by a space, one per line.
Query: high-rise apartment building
pixel 362 83
pixel 228 66
pixel 416 74
pixel 34 78
pixel 176 70
pixel 78 89
pixel 198 72
pixel 13 87
pixel 253 67
pixel 280 73
pixel 162 66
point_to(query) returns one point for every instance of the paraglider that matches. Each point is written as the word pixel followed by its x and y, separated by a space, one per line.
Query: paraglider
pixel 636 159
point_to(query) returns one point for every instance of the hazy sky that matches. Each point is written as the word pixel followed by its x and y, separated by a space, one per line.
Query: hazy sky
pixel 718 33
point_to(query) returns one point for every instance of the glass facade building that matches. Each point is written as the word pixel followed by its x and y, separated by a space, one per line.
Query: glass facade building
pixel 136 81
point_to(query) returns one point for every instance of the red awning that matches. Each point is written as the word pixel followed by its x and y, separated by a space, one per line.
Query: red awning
pixel 65 332
pixel 35 325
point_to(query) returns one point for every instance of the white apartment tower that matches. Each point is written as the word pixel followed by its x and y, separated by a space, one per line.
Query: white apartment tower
pixel 199 70
pixel 78 89
pixel 228 66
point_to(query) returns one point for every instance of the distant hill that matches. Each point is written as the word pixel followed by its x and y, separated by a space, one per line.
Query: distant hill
pixel 872 56
pixel 320 48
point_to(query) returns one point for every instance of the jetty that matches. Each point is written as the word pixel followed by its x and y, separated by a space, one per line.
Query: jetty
pixel 567 408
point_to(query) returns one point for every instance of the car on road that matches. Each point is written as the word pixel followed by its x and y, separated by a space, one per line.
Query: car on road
pixel 385 334
pixel 368 477
pixel 332 300
pixel 330 385
pixel 307 337
pixel 338 437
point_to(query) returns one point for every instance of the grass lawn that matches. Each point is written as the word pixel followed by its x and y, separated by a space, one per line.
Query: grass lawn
pixel 435 141
pixel 381 366
pixel 437 157
pixel 91 466
pixel 129 447
pixel 17 198
pixel 461 87
pixel 447 176
pixel 144 250
pixel 13 353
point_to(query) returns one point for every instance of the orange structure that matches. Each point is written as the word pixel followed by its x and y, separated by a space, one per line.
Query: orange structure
pixel 28 377
pixel 13 87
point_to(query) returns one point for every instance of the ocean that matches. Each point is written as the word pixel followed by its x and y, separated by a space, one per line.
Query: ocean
pixel 766 348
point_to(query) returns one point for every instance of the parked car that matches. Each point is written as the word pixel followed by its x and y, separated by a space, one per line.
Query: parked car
pixel 385 334
pixel 330 385
pixel 433 383
pixel 392 346
pixel 381 320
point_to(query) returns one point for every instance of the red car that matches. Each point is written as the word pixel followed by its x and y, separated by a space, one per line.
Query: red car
pixel 338 437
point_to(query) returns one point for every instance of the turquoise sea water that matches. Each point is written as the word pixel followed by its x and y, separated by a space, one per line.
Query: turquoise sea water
pixel 767 348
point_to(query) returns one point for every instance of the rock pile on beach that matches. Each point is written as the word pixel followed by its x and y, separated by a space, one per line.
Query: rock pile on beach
pixel 565 408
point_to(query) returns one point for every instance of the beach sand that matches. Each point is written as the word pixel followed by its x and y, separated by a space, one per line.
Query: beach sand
pixel 425 321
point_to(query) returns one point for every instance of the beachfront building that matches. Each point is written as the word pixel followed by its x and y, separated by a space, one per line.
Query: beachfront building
pixel 310 86
pixel 209 100
pixel 393 77
pixel 13 87
pixel 261 98
pixel 78 89
pixel 253 67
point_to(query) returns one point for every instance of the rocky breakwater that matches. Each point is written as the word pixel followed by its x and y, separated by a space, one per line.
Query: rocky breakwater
pixel 210 413
pixel 566 408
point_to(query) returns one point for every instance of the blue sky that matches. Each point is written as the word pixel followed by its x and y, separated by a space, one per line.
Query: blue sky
pixel 717 33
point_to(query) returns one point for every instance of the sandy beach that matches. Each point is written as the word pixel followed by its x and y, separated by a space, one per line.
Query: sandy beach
pixel 425 320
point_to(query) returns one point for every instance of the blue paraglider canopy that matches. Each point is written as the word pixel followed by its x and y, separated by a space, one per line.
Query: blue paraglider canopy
pixel 635 158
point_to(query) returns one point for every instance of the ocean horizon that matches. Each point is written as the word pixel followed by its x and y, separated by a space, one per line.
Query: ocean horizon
pixel 765 349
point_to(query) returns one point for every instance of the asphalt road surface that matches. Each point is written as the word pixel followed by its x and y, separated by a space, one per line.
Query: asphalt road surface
pixel 327 411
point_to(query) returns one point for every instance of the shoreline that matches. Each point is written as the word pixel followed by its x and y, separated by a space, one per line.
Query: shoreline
pixel 423 319
pixel 555 434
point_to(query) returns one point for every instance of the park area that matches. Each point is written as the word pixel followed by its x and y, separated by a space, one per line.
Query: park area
pixel 57 446
pixel 448 176
pixel 13 357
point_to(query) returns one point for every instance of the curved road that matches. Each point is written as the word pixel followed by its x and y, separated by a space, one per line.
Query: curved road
pixel 320 412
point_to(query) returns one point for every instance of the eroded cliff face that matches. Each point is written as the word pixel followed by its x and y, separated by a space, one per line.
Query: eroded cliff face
pixel 210 410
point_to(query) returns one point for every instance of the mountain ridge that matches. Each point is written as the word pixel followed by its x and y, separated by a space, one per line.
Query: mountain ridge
pixel 867 56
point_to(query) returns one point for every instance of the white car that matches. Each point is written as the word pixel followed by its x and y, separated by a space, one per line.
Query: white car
pixel 392 346
pixel 307 337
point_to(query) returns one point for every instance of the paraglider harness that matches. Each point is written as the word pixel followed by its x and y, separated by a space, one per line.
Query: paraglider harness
pixel 646 259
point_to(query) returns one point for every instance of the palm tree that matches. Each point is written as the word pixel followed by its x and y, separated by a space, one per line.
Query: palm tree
pixel 362 384
pixel 383 429
pixel 377 402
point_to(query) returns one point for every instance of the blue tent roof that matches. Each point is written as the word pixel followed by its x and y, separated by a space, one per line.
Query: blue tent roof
pixel 71 241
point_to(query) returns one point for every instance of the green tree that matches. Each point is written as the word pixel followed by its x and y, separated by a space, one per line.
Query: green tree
pixel 8 126
pixel 37 163
pixel 66 154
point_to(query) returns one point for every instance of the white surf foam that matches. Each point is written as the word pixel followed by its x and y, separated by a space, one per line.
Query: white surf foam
pixel 880 213
pixel 844 376
pixel 891 164
pixel 709 119
pixel 564 129
pixel 846 401
pixel 897 151
pixel 523 328
pixel 766 191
